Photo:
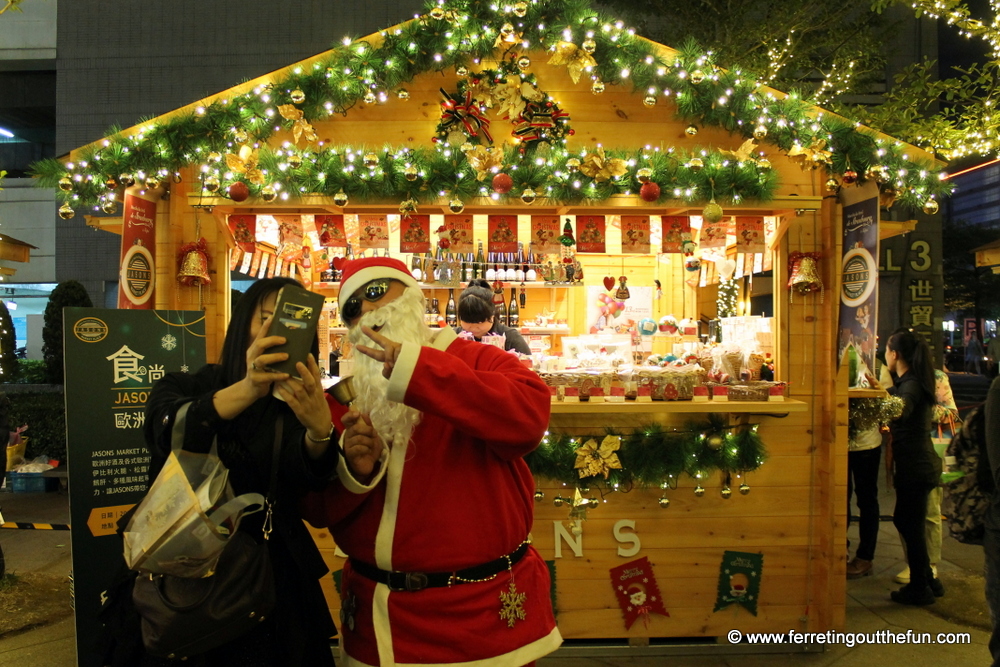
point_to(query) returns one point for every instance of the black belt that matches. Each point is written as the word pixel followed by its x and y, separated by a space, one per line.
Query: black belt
pixel 417 581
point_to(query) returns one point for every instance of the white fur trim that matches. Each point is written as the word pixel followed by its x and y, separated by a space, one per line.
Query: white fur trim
pixel 352 484
pixel 406 363
pixel 383 629
pixel 387 524
pixel 520 656
pixel 368 274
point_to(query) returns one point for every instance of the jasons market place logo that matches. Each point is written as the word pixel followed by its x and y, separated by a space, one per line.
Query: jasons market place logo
pixel 90 330
pixel 137 274
pixel 859 274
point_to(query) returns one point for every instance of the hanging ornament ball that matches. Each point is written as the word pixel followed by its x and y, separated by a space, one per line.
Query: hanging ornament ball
pixel 699 491
pixel 211 183
pixel 65 183
pixel 715 442
pixel 930 207
pixel 644 174
pixel 759 132
pixel 466 146
pixel 297 96
pixel 371 160
pixel 597 87
pixel 294 160
pixel 649 100
pixel 664 502
pixel 177 177
pixel 744 488
pixel 239 191
pixel 697 77
pixel 539 495
pixel 403 94
pixel 152 183
pixel 215 156
pixel 696 164
pixel 649 191
pixel 241 137
pixel 589 45
pixel 126 179
pixel 520 9
pixel 410 173
pixel 832 185
pixel 726 492
pixel 110 184
pixel 340 199
pixel 110 206
pixel 691 130
pixel 456 205
pixel 573 165
pixel 437 13
pixel 712 212
pixel 523 63
pixel 462 70
pixel 557 501
pixel 66 211
pixel 528 196
pixel 764 164
pixel 268 193
pixel 370 97
pixel 506 31
pixel 502 183
pixel 850 177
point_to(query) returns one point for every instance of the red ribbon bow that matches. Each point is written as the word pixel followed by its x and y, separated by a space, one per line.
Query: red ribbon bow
pixel 468 112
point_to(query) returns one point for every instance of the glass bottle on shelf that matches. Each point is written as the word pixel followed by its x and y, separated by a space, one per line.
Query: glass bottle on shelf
pixel 502 267
pixel 500 314
pixel 427 311
pixel 416 268
pixel 519 267
pixel 479 268
pixel 329 274
pixel 350 252
pixel 530 273
pixel 450 311
pixel 470 268
pixel 513 312
pixel 435 313
pixel 491 269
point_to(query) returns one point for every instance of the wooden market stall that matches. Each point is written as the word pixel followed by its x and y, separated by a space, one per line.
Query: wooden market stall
pixel 322 139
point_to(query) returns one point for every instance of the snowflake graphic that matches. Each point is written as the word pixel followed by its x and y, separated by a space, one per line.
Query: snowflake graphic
pixel 168 342
pixel 512 604
pixel 184 368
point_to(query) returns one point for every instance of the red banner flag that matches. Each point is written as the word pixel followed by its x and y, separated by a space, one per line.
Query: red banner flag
pixel 373 231
pixel 330 229
pixel 137 268
pixel 244 229
pixel 415 234
pixel 637 591
pixel 459 232
pixel 502 230
pixel 676 231
pixel 590 233
pixel 635 234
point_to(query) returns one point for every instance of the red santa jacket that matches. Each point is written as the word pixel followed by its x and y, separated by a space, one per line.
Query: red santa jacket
pixel 457 495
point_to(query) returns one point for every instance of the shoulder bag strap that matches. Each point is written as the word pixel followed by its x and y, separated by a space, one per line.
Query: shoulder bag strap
pixel 273 487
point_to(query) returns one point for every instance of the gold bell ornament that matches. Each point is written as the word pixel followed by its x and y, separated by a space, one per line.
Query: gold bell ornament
pixel 194 264
pixel 803 274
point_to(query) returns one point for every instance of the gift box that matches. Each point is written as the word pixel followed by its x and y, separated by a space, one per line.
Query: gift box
pixel 720 392
pixel 776 393
pixel 700 394
pixel 617 395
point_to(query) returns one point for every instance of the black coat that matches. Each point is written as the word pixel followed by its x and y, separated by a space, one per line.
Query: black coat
pixel 913 455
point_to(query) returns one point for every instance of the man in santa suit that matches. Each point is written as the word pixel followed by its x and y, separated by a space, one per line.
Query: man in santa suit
pixel 440 571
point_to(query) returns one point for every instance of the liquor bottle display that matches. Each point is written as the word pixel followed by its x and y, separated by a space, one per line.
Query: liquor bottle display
pixel 513 312
pixel 450 311
pixel 416 268
pixel 329 274
pixel 479 268
pixel 501 306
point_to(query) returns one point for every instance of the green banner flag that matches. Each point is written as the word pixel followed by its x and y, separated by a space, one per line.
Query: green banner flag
pixel 739 580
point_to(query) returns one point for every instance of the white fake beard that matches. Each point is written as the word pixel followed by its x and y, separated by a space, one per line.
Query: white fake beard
pixel 401 321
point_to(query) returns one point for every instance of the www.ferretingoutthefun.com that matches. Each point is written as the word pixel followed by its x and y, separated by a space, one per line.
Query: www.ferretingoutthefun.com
pixel 849 639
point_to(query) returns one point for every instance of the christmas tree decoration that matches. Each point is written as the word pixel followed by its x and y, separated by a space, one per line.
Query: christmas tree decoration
pixel 152 183
pixel 437 13
pixel 370 160
pixel 456 205
pixel 502 183
pixel 712 212
pixel 573 165
pixel 65 184
pixel 193 261
pixel 539 496
pixel 567 235
pixel 599 167
pixel 593 459
pixel 340 199
pixel 110 206
pixel 528 196
pixel 637 592
pixel 663 502
pixel 240 136
pixel 463 117
pixel 520 8
pixel 643 175
pixel 294 160
pixel 408 207
pixel 697 77
pixel 650 191
pixel 244 162
pixel 297 96
pixel 462 70
pixel 211 183
pixel 930 207
pixel 507 33
pixel 403 94
pixel 760 132
pixel 215 156
pixel 589 45
pixel 764 164
pixel 486 161
pixel 111 184
pixel 523 63
pixel 177 177
pixel 832 185
pixel 726 492
pixel 803 273
pixel 410 173
pixel 369 97
pixel 239 191
pixel 127 180
pixel 739 580
pixel 268 193
pixel 66 211
pixel 467 146
pixel 850 177
pixel 699 490
pixel 649 100
pixel 597 87
pixel 691 130
pixel 744 488
pixel 577 60
pixel 696 164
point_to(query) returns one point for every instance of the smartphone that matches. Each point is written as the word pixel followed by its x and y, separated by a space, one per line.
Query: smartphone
pixel 296 317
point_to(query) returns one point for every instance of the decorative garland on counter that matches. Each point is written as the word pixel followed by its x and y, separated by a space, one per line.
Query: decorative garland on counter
pixel 864 414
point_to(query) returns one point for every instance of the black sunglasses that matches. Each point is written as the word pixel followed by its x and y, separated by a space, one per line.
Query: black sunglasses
pixel 372 291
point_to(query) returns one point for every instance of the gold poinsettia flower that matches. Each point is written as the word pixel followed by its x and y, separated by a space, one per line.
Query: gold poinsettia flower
pixel 745 153
pixel 593 459
pixel 482 91
pixel 812 155
pixel 576 60
pixel 301 127
pixel 246 163
pixel 508 97
pixel 485 160
pixel 600 168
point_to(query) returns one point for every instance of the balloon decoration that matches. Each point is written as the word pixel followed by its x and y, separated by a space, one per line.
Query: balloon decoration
pixel 610 307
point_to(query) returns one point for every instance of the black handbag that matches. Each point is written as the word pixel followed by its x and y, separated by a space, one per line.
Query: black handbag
pixel 182 617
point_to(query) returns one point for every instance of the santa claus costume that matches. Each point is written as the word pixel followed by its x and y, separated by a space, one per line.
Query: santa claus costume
pixel 440 570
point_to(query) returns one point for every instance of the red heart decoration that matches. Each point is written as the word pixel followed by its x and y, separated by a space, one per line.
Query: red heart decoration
pixel 609 282
pixel 338 263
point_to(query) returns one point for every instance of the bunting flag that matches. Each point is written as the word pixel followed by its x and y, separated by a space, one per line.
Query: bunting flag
pixel 739 580
pixel 290 236
pixel 637 591
pixel 544 234
pixel 676 231
pixel 415 234
pixel 749 235
pixel 244 230
pixel 330 229
pixel 235 258
pixel 502 230
pixel 459 232
pixel 373 231
pixel 590 233
pixel 713 234
pixel 635 234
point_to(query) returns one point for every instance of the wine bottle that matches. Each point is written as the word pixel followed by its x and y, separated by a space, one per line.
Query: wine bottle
pixel 491 269
pixel 513 312
pixel 530 273
pixel 450 312
pixel 502 267
pixel 519 267
pixel 350 251
pixel 416 268
pixel 479 268
pixel 469 274
pixel 427 311
pixel 501 307
pixel 435 313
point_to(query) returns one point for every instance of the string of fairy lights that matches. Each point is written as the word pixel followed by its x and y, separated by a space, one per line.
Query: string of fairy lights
pixel 488 45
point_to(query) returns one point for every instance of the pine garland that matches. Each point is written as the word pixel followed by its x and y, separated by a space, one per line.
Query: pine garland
pixel 655 457
pixel 864 414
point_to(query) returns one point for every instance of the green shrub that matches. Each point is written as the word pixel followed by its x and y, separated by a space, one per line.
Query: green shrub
pixel 68 293
pixel 8 360
pixel 31 371
pixel 45 415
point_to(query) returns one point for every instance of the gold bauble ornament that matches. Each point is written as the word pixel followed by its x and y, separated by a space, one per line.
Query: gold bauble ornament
pixel 152 183
pixel 66 211
pixel 589 45
pixel 832 185
pixel 110 206
pixel 759 132
pixel 557 501
pixel 294 160
pixel 241 137
pixel 126 179
pixel 528 196
pixel 410 173
pixel 764 164
pixel 456 205
pixel 691 130
pixel 573 165
pixel 211 183
pixel 715 442
pixel 65 183
pixel 539 496
pixel 215 156
pixel 110 184
pixel 644 174
pixel 370 97
pixel 726 492
pixel 930 207
pixel 506 31
pixel 712 212
pixel 371 160
pixel 340 199
pixel 699 491
pixel 297 96
pixel 696 164
pixel 268 193
pixel 649 100
pixel 744 488
pixel 466 146
pixel 403 94
pixel 664 502
pixel 520 9
pixel 437 13
pixel 597 87
pixel 462 70
pixel 697 76
pixel 523 63
pixel 177 177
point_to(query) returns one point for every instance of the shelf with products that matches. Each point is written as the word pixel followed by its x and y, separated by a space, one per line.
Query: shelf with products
pixel 335 287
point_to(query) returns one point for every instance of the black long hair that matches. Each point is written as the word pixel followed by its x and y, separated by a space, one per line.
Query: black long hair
pixel 234 349
pixel 913 350
pixel 475 305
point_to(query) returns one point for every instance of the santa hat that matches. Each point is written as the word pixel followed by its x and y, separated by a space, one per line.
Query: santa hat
pixel 359 272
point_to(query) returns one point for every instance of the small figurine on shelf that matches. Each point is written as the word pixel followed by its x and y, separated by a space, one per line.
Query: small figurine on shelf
pixel 767 368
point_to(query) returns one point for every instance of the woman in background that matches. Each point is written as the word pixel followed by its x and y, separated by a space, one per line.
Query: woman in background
pixel 477 315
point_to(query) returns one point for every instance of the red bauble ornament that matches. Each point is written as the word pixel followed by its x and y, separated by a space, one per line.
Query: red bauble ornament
pixel 503 183
pixel 850 177
pixel 239 191
pixel 649 191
